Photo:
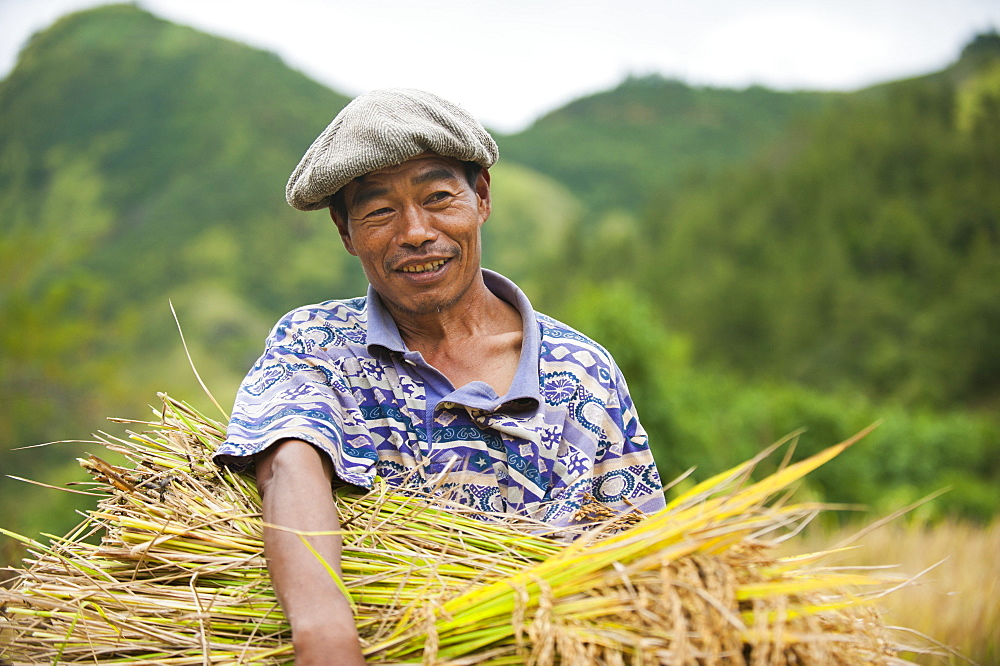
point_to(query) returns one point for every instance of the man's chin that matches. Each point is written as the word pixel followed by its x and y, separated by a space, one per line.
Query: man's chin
pixel 423 308
pixel 425 304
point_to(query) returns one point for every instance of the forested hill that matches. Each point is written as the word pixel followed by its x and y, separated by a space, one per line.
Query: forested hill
pixel 841 240
pixel 863 251
pixel 618 148
pixel 140 160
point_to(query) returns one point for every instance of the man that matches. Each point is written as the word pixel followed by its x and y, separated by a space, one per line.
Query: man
pixel 442 375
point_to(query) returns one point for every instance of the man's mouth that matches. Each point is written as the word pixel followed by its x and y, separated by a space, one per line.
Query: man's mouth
pixel 424 268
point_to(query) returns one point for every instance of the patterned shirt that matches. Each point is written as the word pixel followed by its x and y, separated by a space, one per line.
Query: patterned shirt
pixel 338 375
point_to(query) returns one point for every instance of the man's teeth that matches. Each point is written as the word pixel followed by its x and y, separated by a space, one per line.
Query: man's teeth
pixel 423 268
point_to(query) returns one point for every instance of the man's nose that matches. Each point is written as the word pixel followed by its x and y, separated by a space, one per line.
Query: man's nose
pixel 416 227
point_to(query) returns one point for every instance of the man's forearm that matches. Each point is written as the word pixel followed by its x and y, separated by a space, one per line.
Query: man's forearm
pixel 295 483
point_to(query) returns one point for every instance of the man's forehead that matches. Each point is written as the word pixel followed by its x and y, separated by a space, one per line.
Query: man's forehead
pixel 424 167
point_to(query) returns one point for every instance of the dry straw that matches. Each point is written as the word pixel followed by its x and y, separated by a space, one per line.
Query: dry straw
pixel 168 569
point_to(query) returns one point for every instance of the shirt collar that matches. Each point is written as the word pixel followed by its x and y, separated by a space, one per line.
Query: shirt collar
pixel 524 392
pixel 382 329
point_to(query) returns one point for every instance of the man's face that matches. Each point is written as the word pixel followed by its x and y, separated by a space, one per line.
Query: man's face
pixel 415 228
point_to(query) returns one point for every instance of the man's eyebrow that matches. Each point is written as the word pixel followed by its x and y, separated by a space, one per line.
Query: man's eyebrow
pixel 364 195
pixel 439 173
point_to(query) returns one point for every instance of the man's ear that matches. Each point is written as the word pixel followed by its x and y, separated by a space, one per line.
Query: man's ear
pixel 345 234
pixel 484 194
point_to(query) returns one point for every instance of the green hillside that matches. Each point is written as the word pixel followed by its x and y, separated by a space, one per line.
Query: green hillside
pixel 618 148
pixel 140 159
pixel 867 255
pixel 847 273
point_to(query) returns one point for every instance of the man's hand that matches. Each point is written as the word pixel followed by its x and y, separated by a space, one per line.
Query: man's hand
pixel 294 479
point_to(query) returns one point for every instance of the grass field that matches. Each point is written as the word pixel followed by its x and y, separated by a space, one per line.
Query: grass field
pixel 957 602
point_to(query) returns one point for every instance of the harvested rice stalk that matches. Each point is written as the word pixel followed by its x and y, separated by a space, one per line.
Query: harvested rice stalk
pixel 177 575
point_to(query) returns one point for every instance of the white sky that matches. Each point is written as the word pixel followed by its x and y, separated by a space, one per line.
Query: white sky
pixel 510 61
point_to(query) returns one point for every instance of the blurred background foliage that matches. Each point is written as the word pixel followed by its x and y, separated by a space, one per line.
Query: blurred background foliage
pixel 758 262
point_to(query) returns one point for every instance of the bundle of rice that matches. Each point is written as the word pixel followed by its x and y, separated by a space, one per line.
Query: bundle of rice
pixel 177 575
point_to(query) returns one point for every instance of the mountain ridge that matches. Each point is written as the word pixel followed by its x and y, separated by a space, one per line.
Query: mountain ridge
pixel 620 146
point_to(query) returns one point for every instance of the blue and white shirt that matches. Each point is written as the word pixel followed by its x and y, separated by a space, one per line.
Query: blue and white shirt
pixel 338 375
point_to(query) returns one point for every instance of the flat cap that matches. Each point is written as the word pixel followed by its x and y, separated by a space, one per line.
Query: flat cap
pixel 384 128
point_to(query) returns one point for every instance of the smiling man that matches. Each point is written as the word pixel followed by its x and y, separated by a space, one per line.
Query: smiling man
pixel 442 377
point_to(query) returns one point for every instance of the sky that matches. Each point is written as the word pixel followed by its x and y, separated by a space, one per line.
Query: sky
pixel 511 61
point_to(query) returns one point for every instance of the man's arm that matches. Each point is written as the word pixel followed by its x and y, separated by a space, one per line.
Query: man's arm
pixel 294 479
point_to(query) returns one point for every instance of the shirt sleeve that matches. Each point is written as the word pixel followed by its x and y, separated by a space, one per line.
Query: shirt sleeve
pixel 603 453
pixel 625 473
pixel 637 457
pixel 294 392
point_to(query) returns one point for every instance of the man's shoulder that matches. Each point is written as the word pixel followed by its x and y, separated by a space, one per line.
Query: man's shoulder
pixel 559 339
pixel 341 321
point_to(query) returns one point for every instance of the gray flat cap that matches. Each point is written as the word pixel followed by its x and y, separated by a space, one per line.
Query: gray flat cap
pixel 383 128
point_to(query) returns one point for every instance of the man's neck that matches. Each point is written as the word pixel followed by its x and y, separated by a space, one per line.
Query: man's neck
pixel 478 338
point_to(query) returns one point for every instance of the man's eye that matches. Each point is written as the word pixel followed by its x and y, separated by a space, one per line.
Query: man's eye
pixel 379 212
pixel 438 197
